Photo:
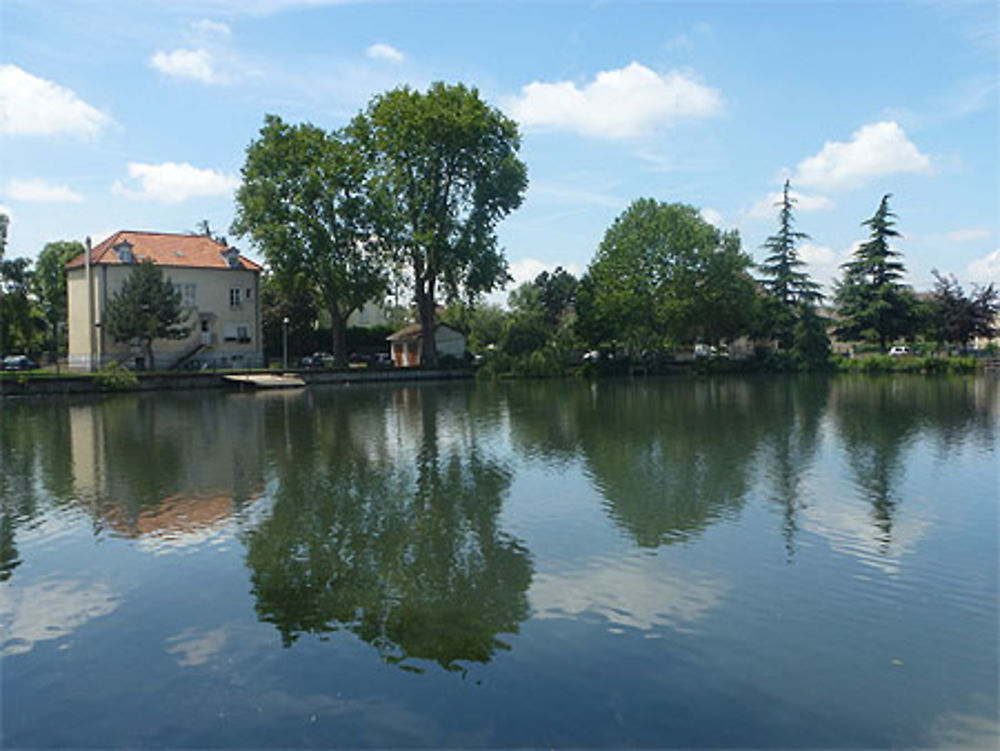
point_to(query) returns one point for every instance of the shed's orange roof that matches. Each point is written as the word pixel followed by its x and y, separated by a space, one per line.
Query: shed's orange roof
pixel 164 249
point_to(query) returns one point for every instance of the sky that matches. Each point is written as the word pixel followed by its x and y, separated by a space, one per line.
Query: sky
pixel 117 114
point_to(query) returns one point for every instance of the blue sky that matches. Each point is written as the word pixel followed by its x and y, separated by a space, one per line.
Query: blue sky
pixel 135 115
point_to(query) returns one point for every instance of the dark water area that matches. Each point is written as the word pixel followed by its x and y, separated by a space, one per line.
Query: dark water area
pixel 781 562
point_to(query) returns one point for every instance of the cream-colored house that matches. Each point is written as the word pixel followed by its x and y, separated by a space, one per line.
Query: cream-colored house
pixel 220 289
pixel 405 344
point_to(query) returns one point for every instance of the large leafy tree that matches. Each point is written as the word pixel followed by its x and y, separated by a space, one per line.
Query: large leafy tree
pixel 305 202
pixel 20 322
pixel 872 301
pixel 788 286
pixel 49 285
pixel 447 163
pixel 663 274
pixel 957 316
pixel 147 307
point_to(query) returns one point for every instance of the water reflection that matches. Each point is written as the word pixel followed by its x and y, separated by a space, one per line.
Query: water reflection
pixel 669 457
pixel 384 524
pixel 791 418
pixel 878 422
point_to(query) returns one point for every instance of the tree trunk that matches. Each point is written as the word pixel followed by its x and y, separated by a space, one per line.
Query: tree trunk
pixel 338 332
pixel 425 307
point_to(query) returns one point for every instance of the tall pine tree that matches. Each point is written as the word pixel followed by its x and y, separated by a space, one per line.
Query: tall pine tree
pixel 783 277
pixel 873 303
pixel 789 288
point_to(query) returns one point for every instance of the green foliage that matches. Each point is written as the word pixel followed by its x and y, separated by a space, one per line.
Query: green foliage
pixel 523 334
pixel 955 316
pixel 49 286
pixel 872 302
pixel 447 172
pixel 556 294
pixel 783 278
pixel 305 202
pixel 146 308
pixel 788 287
pixel 810 343
pixel 295 300
pixel 486 327
pixel 113 377
pixel 21 323
pixel 663 274
pixel 875 364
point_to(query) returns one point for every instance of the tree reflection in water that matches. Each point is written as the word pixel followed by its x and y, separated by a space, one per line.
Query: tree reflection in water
pixel 385 525
pixel 878 419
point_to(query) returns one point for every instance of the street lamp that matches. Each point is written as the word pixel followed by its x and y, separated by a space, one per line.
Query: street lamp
pixel 284 343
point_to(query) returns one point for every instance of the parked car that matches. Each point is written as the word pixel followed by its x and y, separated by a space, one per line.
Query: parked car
pixel 317 360
pixel 899 351
pixel 19 362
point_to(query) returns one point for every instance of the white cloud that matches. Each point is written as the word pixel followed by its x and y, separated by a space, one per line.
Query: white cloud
pixel 194 647
pixel 712 216
pixel 385 52
pixel 171 182
pixel 527 269
pixel 874 150
pixel 968 235
pixel 641 597
pixel 41 191
pixel 182 63
pixel 767 207
pixel 623 103
pixel 50 609
pixel 985 270
pixel 33 106
pixel 207 27
pixel 823 263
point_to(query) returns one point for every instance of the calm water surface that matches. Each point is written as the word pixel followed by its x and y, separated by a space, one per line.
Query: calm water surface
pixel 670 563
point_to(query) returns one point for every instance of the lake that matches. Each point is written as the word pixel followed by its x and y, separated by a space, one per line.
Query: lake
pixel 773 562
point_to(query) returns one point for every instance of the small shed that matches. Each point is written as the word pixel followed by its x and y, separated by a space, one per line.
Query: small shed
pixel 405 344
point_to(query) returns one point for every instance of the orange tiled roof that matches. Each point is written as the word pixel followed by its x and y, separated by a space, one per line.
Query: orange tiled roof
pixel 164 249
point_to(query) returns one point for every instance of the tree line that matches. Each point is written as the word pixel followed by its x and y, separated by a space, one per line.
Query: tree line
pixel 408 195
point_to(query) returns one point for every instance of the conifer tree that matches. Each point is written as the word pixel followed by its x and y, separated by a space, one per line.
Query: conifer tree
pixel 872 301
pixel 147 307
pixel 783 277
pixel 788 287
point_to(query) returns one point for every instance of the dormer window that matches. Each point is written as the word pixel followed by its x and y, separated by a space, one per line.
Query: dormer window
pixel 124 252
pixel 232 256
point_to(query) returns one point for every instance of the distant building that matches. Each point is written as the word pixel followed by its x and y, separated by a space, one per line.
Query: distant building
pixel 405 344
pixel 220 290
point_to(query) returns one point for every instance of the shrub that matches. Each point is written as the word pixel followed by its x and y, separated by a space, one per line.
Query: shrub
pixel 114 377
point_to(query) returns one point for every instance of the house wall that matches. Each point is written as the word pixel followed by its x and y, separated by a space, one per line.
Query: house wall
pixel 225 325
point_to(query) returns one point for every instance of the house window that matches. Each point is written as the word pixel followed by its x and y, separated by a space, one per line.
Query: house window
pixel 248 292
pixel 234 297
pixel 187 293
pixel 237 332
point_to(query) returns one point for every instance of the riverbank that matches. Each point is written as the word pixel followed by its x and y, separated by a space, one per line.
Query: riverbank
pixel 45 384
